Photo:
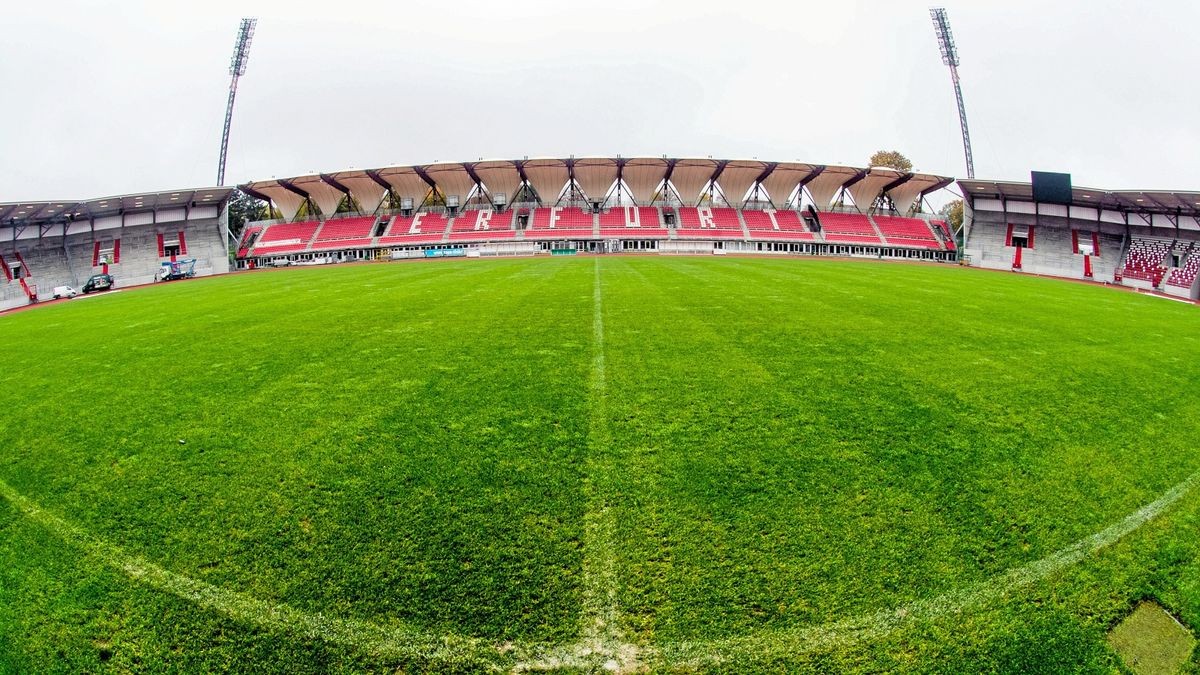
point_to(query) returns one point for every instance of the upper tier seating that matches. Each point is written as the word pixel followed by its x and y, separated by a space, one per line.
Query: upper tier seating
pixel 848 228
pixel 776 225
pixel 708 223
pixel 549 223
pixel 421 228
pixel 945 229
pixel 630 221
pixel 347 228
pixel 482 225
pixel 903 228
pixel 1185 276
pixel 247 236
pixel 1145 260
pixel 288 233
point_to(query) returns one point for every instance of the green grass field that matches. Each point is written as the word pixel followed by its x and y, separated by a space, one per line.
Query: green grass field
pixel 670 464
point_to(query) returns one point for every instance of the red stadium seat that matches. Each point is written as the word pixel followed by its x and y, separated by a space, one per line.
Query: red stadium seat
pixel 1184 277
pixel 631 222
pixel 421 228
pixel 560 222
pixel 1144 260
pixel 900 231
pixel 705 218
pixel 347 228
pixel 285 238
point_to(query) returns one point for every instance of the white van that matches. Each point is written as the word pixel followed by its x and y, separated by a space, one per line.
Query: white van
pixel 64 292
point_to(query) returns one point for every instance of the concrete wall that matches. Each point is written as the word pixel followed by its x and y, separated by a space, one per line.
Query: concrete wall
pixel 1052 253
pixel 66 260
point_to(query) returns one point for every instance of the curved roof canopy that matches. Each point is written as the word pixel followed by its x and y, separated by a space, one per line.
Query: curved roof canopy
pixel 548 177
pixel 500 177
pixel 781 182
pixel 737 177
pixel 452 179
pixel 690 176
pixel 595 176
pixel 643 177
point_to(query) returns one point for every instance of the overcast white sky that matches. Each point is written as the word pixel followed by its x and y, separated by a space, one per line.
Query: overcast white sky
pixel 106 98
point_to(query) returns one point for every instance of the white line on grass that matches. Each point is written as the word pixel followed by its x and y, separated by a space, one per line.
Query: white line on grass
pixel 367 637
pixel 601 641
pixel 875 625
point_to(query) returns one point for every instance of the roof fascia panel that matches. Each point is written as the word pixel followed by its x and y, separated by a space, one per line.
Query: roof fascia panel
pixel 690 177
pixel 548 178
pixel 452 179
pixel 643 176
pixel 595 176
pixel 736 179
pixel 499 177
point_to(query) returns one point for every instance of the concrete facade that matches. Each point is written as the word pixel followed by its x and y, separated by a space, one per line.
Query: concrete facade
pixel 62 255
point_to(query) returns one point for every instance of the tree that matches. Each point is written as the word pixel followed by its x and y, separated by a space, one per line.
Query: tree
pixel 244 209
pixel 891 159
pixel 953 211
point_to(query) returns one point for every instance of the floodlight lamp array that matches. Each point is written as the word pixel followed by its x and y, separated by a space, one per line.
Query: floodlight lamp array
pixel 941 26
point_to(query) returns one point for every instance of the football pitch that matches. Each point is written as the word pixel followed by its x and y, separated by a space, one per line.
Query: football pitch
pixel 580 464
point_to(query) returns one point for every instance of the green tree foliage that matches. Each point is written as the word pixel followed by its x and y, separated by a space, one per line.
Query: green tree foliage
pixel 891 159
pixel 244 209
pixel 954 214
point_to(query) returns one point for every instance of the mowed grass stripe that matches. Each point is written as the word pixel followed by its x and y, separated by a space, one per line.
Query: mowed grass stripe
pixel 1027 450
pixel 728 476
pixel 366 510
pixel 418 444
pixel 601 629
pixel 846 633
pixel 885 480
pixel 391 641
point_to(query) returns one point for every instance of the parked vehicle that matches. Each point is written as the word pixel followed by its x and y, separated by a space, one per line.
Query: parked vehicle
pixel 180 269
pixel 98 282
pixel 64 292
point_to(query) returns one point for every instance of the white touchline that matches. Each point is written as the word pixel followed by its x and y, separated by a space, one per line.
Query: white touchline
pixel 877 624
pixel 602 640
pixel 603 646
pixel 363 635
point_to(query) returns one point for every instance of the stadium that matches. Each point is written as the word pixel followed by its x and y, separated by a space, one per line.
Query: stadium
pixel 602 414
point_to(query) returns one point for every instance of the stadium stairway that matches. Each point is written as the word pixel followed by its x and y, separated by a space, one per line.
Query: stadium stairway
pixel 745 230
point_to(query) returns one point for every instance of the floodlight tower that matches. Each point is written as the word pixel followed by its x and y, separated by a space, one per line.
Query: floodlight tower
pixel 237 68
pixel 941 25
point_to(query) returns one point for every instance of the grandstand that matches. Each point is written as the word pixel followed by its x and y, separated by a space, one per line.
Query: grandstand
pixel 1144 239
pixel 62 243
pixel 604 204
pixel 1138 238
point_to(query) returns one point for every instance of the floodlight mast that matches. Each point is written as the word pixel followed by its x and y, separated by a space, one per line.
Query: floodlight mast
pixel 237 68
pixel 941 25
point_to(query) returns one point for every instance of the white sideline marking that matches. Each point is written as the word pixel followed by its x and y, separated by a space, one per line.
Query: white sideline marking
pixel 399 641
pixel 602 642
pixel 363 635
pixel 875 625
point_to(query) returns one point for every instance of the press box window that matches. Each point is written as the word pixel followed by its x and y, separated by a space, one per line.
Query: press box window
pixel 170 249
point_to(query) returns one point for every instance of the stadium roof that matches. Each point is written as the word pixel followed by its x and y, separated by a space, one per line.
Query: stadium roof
pixel 598 179
pixel 1132 201
pixel 12 213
